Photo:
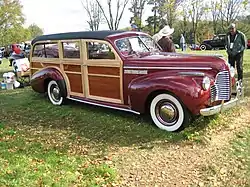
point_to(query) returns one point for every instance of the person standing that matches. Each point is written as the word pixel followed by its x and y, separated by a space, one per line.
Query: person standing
pixel 235 46
pixel 134 27
pixel 166 42
pixel 182 43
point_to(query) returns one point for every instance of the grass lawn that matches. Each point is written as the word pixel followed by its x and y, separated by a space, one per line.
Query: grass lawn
pixel 41 144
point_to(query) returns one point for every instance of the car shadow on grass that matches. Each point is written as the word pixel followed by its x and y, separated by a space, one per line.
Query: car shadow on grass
pixel 91 123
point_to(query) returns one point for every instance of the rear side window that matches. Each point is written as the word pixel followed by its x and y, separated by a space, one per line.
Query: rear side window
pixel 46 50
pixel 71 50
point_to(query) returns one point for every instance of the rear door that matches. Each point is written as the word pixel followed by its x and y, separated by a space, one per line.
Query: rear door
pixel 72 66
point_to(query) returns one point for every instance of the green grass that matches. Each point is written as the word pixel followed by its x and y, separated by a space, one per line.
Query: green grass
pixel 41 144
pixel 27 162
pixel 241 150
pixel 4 67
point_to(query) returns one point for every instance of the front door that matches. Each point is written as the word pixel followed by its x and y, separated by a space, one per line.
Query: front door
pixel 103 72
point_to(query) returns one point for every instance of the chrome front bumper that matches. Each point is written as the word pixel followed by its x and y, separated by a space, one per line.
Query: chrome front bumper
pixel 225 106
pixel 219 108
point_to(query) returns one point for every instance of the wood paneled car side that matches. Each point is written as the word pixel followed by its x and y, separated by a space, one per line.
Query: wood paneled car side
pixel 127 71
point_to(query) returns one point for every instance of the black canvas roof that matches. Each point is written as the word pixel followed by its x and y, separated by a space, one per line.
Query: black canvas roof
pixel 99 35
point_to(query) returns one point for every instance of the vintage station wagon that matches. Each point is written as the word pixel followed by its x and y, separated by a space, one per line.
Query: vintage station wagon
pixel 126 70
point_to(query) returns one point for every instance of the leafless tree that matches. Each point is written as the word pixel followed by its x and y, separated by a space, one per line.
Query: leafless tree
pixel 215 11
pixel 184 13
pixel 170 10
pixel 196 11
pixel 230 10
pixel 113 21
pixel 94 14
pixel 137 10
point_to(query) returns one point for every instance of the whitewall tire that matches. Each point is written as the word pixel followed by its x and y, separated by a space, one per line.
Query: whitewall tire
pixel 168 113
pixel 55 93
pixel 203 47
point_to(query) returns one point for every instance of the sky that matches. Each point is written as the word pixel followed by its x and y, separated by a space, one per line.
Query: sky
pixel 55 16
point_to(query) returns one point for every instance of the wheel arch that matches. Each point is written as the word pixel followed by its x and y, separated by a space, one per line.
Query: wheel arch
pixel 186 90
pixel 154 93
pixel 41 79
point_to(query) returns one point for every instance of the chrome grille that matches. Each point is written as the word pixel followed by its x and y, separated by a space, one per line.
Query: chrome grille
pixel 221 89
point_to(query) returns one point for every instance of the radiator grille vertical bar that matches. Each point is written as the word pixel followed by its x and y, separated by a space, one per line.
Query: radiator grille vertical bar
pixel 221 89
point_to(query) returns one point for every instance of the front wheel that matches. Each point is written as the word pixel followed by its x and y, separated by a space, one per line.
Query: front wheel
pixel 168 113
pixel 55 93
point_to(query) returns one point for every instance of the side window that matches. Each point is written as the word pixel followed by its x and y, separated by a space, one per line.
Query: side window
pixel 71 50
pixel 123 45
pixel 99 50
pixel 51 50
pixel 38 50
pixel 46 50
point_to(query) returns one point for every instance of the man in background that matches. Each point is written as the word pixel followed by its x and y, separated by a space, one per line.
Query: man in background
pixel 182 43
pixel 235 46
pixel 134 27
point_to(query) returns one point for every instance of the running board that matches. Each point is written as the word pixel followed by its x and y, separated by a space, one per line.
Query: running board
pixel 106 106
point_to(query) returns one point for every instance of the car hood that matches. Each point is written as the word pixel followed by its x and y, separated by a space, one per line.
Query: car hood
pixel 188 61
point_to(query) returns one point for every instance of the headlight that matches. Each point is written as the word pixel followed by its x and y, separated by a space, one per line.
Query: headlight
pixel 232 71
pixel 206 83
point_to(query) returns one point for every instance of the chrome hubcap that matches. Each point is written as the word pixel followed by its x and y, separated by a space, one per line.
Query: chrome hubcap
pixel 55 93
pixel 167 113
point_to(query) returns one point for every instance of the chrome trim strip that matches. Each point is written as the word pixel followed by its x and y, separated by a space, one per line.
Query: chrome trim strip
pixel 136 72
pixel 106 106
pixel 198 74
pixel 172 68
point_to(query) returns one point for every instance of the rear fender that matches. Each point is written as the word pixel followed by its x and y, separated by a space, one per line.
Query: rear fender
pixel 40 78
pixel 186 88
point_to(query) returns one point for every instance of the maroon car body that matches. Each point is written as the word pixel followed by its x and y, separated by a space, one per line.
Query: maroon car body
pixel 170 86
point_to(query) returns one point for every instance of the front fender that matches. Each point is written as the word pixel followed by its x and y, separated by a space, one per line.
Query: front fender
pixel 40 78
pixel 187 89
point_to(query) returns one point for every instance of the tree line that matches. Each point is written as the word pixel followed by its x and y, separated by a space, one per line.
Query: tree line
pixel 11 24
pixel 196 19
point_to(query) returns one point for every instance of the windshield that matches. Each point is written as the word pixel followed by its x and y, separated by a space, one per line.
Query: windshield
pixel 138 44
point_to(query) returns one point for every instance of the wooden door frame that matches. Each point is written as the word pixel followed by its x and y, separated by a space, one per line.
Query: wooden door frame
pixel 58 63
pixel 117 62
pixel 72 62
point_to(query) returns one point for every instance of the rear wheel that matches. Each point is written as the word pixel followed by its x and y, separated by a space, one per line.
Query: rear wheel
pixel 168 113
pixel 55 93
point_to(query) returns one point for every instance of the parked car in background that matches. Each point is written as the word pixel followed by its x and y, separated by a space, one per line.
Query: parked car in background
pixel 27 47
pixel 177 46
pixel 7 51
pixel 126 71
pixel 218 42
pixel 248 43
pixel 195 47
